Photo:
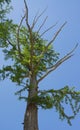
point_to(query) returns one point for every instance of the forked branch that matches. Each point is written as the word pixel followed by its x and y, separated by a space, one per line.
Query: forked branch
pixel 53 39
pixel 66 57
pixel 48 29
pixel 56 34
pixel 36 18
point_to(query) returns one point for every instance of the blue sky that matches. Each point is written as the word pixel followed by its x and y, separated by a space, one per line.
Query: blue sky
pixel 12 110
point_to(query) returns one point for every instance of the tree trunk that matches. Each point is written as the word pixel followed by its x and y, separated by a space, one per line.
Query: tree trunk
pixel 31 114
pixel 31 118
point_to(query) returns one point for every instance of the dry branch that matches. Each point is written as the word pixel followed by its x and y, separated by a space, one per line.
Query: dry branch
pixel 42 24
pixel 48 29
pixel 26 7
pixel 66 57
pixel 36 18
pixel 18 30
pixel 26 15
pixel 53 39
pixel 56 34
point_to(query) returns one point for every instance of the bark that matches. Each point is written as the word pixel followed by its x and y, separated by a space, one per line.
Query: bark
pixel 31 118
pixel 31 114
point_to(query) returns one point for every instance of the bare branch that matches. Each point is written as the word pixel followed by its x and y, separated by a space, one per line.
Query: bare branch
pixel 26 15
pixel 66 57
pixel 51 41
pixel 21 22
pixel 56 34
pixel 33 24
pixel 53 38
pixel 37 18
pixel 42 24
pixel 26 7
pixel 19 50
pixel 18 46
pixel 48 30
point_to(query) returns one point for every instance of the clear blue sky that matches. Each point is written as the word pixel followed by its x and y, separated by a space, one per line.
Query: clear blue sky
pixel 12 110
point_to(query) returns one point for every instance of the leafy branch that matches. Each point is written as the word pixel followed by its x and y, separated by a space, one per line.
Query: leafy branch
pixel 48 99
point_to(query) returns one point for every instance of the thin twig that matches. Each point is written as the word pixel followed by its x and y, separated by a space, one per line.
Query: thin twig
pixel 9 42
pixel 21 90
pixel 48 29
pixel 42 24
pixel 33 24
pixel 18 31
pixel 37 18
pixel 56 34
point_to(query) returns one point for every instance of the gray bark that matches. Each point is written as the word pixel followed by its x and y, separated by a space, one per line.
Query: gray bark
pixel 31 114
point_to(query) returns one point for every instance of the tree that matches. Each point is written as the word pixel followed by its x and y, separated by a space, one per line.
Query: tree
pixel 33 58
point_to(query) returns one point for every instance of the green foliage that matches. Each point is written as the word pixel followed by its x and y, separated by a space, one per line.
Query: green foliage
pixel 65 98
pixel 4 9
pixel 5 23
pixel 60 100
pixel 4 32
pixel 22 58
